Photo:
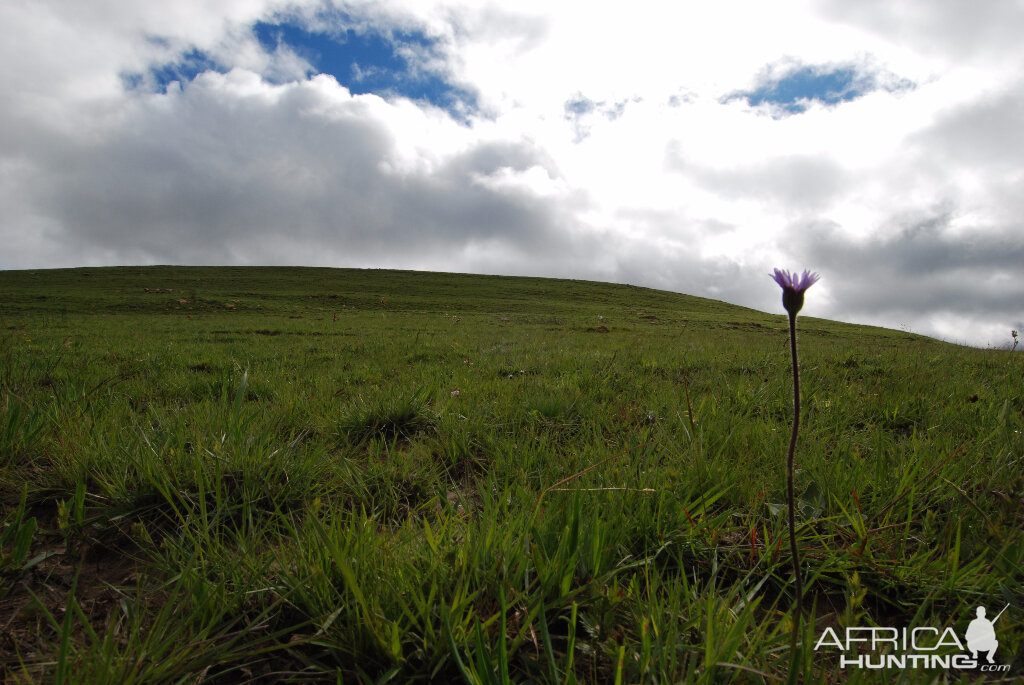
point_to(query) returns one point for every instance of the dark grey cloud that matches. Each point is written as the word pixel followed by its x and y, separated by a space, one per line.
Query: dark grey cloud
pixel 488 157
pixel 921 269
pixel 985 134
pixel 206 176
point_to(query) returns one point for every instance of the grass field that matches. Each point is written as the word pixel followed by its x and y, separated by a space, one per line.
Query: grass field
pixel 291 474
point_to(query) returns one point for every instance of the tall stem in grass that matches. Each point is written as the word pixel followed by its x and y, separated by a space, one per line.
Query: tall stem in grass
pixel 793 288
pixel 794 550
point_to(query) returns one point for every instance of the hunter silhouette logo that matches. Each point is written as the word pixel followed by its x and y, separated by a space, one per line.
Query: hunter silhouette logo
pixel 981 634
pixel 918 647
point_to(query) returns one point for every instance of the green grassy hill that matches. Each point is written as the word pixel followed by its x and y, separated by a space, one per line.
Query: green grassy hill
pixel 301 474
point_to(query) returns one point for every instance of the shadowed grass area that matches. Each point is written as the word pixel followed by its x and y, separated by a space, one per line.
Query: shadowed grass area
pixel 303 475
pixel 391 418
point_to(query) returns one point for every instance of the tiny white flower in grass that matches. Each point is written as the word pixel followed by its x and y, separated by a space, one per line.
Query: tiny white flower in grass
pixel 455 393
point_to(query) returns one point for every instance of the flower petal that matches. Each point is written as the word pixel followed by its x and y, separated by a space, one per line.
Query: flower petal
pixel 783 278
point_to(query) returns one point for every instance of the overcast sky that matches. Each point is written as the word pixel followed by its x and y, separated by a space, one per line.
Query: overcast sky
pixel 686 146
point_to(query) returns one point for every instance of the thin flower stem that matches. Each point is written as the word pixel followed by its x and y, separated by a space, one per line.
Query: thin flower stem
pixel 789 485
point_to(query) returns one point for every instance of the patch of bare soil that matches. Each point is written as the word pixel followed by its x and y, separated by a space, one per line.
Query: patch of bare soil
pixel 98 574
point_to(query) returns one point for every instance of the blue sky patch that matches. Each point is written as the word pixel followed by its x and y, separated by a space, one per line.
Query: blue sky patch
pixel 189 65
pixel 386 63
pixel 579 108
pixel 371 62
pixel 795 90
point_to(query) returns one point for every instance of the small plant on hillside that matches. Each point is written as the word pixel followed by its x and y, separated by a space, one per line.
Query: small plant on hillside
pixel 1013 334
pixel 793 288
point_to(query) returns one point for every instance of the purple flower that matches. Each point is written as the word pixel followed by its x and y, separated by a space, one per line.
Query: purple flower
pixel 793 287
pixel 794 282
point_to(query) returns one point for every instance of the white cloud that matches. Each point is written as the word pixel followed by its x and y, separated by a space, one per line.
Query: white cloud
pixel 657 181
